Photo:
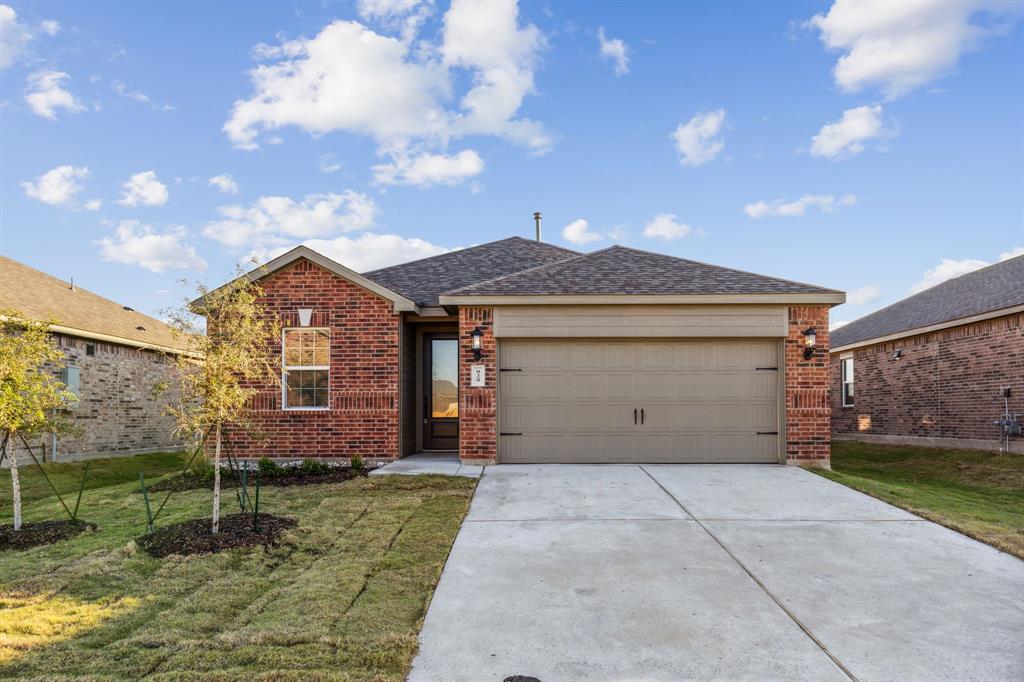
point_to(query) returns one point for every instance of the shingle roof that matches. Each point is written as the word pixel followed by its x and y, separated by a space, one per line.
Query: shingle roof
pixel 424 280
pixel 44 297
pixel 621 270
pixel 991 288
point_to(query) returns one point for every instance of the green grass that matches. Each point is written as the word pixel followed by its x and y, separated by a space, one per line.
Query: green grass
pixel 980 494
pixel 343 596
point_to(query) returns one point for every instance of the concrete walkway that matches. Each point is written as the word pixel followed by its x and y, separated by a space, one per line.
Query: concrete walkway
pixel 445 463
pixel 701 572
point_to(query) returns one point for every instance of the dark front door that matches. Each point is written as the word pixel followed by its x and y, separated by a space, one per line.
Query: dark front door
pixel 441 392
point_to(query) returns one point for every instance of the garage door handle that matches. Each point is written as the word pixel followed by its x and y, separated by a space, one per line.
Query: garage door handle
pixel 641 416
pixel 767 433
pixel 634 415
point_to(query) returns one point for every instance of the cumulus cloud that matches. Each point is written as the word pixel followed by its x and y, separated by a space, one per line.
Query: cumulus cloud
pixel 404 16
pixel 57 186
pixel 224 183
pixel 698 139
pixel 50 27
pixel 430 169
pixel 848 136
pixel 664 226
pixel 14 37
pixel 45 94
pixel 93 205
pixel 794 209
pixel 949 268
pixel 578 232
pixel 273 221
pixel 136 244
pixel 369 251
pixel 900 46
pixel 143 189
pixel 864 295
pixel 615 50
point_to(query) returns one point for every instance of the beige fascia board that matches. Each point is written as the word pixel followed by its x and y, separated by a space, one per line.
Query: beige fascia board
pixel 827 298
pixel 917 331
pixel 120 340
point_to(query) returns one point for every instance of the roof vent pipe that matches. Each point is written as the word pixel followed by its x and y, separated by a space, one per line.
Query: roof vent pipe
pixel 536 219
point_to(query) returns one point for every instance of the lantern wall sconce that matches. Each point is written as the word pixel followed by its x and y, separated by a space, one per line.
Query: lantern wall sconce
pixel 477 338
pixel 810 342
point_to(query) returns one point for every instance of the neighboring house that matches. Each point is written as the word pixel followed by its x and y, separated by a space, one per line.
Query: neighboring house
pixel 932 369
pixel 115 357
pixel 613 356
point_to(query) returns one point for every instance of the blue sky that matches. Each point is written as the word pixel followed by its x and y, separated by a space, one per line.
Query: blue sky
pixel 875 148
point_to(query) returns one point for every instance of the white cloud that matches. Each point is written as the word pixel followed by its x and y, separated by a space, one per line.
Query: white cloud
pixel 864 295
pixel 57 186
pixel 698 139
pixel 225 183
pixel 794 209
pixel 275 221
pixel 664 226
pixel 143 189
pixel 122 89
pixel 1012 253
pixel 93 205
pixel 405 16
pixel 369 251
pixel 900 46
pixel 46 94
pixel 949 268
pixel 430 169
pixel 14 37
pixel 138 244
pixel 50 27
pixel 578 232
pixel 616 50
pixel 328 164
pixel 848 135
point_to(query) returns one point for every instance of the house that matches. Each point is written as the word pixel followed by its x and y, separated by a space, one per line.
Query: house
pixel 934 368
pixel 521 351
pixel 114 358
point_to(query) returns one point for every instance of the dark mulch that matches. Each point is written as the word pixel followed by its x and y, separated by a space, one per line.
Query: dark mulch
pixel 41 533
pixel 194 537
pixel 189 481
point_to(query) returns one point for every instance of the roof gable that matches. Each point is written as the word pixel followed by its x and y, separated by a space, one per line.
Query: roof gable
pixel 995 287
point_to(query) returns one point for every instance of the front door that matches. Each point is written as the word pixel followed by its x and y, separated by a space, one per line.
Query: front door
pixel 441 392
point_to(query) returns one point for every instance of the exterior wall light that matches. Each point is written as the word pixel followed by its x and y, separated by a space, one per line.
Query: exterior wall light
pixel 897 354
pixel 477 336
pixel 810 341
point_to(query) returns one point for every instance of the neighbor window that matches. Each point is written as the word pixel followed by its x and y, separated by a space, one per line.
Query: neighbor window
pixel 846 366
pixel 306 371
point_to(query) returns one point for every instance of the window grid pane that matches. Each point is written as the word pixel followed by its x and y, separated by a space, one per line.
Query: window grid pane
pixel 306 348
pixel 306 388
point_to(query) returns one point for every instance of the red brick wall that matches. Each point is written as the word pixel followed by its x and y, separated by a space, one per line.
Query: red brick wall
pixel 946 384
pixel 807 388
pixel 364 360
pixel 478 423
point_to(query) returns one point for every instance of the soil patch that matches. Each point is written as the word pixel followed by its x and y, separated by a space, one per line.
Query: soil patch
pixel 194 536
pixel 41 533
pixel 190 481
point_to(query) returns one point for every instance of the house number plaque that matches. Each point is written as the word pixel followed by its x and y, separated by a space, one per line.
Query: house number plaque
pixel 477 376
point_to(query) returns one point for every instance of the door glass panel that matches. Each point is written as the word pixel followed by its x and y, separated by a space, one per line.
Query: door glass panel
pixel 444 373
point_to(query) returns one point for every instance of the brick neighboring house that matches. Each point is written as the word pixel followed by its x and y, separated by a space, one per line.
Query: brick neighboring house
pixel 931 369
pixel 521 351
pixel 114 358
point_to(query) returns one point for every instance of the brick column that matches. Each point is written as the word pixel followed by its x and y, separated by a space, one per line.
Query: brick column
pixel 478 423
pixel 808 411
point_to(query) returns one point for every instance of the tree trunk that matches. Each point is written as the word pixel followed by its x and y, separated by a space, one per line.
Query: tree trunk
pixel 216 485
pixel 15 484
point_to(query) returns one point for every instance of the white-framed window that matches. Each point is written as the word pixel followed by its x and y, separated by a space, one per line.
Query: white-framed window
pixel 846 368
pixel 306 368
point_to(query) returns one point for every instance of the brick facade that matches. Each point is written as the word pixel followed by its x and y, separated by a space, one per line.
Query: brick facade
pixel 807 388
pixel 946 385
pixel 362 417
pixel 478 421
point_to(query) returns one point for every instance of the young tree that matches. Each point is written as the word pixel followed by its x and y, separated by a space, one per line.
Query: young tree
pixel 225 366
pixel 30 396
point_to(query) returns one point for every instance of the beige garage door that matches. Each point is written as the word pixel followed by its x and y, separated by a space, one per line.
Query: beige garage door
pixel 574 400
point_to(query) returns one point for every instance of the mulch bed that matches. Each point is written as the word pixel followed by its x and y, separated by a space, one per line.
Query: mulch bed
pixel 189 481
pixel 194 536
pixel 41 533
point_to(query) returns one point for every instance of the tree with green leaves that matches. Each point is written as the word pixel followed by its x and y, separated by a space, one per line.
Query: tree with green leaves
pixel 225 366
pixel 31 397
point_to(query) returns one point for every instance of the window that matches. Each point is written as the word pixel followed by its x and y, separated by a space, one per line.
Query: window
pixel 846 365
pixel 72 379
pixel 306 369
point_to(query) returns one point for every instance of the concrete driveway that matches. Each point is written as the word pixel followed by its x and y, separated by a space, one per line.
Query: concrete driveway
pixel 698 572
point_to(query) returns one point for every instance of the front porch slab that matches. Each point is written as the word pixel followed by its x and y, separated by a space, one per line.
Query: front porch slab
pixel 442 463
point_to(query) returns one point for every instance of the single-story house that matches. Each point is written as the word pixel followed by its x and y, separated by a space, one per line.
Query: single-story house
pixel 938 368
pixel 114 357
pixel 521 351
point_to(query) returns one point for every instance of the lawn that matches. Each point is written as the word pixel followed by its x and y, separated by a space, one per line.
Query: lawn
pixel 342 597
pixel 980 494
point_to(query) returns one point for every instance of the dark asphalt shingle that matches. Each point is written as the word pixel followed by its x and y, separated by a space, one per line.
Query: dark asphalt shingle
pixel 424 280
pixel 621 270
pixel 991 288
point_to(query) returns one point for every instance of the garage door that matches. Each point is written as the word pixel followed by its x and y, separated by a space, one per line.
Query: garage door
pixel 575 400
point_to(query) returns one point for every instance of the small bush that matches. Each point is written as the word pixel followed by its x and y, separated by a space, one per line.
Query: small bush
pixel 202 469
pixel 357 463
pixel 313 467
pixel 269 468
